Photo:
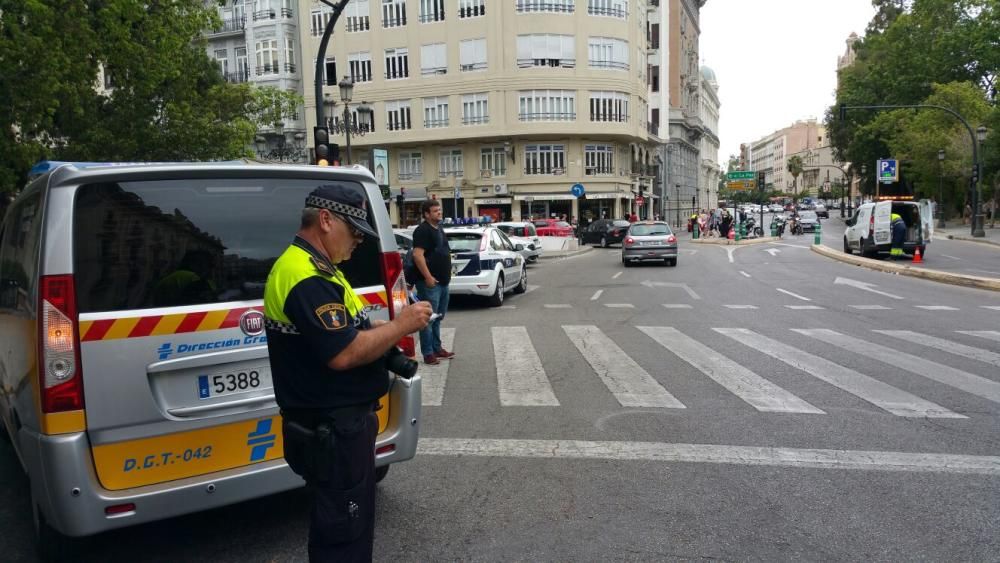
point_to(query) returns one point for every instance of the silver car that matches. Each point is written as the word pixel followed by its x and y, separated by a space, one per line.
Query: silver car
pixel 649 240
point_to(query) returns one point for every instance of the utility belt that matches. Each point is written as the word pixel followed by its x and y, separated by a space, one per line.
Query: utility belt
pixel 310 438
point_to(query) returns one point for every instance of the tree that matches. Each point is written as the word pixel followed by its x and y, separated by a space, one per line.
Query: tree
pixel 166 100
pixel 795 167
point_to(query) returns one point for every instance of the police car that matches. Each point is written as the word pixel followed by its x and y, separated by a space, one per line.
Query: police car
pixel 484 261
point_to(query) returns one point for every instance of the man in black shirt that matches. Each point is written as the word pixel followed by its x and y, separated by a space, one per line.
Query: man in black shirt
pixel 432 257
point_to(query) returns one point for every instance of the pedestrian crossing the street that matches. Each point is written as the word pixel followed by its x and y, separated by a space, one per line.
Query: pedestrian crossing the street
pixel 523 380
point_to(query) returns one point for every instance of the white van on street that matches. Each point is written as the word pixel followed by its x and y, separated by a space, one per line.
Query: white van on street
pixel 868 232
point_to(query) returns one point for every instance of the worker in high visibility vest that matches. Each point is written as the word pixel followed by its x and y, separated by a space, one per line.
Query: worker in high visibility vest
pixel 898 228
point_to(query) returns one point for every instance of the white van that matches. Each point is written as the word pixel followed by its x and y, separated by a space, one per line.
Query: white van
pixel 868 231
pixel 130 398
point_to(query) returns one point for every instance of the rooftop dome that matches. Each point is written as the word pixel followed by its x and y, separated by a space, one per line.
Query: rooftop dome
pixel 708 74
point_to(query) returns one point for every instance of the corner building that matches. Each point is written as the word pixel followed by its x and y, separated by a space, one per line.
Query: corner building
pixel 495 108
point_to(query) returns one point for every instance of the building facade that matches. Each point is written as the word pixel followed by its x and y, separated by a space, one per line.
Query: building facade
pixel 259 43
pixel 770 154
pixel 710 171
pixel 497 113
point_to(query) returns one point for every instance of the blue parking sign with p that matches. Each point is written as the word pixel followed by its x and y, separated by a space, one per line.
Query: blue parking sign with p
pixel 888 171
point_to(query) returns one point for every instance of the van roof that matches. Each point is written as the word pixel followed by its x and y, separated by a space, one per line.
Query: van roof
pixel 138 170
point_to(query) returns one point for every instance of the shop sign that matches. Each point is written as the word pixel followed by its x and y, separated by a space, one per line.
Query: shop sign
pixel 612 195
pixel 493 201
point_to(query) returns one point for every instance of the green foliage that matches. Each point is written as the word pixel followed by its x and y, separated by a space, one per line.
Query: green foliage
pixel 167 101
pixel 795 168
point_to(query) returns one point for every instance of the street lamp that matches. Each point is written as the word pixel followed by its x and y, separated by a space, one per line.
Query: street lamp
pixel 940 222
pixel 348 127
pixel 282 151
pixel 861 182
pixel 977 156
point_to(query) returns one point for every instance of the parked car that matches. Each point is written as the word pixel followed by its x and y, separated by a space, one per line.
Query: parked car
pixel 821 211
pixel 605 232
pixel 552 228
pixel 808 220
pixel 134 360
pixel 524 233
pixel 485 262
pixel 649 240
pixel 775 208
pixel 869 231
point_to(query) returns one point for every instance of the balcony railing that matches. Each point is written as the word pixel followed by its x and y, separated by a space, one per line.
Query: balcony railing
pixel 653 128
pixel 602 11
pixel 433 123
pixel 472 11
pixel 563 63
pixel 434 71
pixel 264 15
pixel 556 7
pixel 473 66
pixel 432 17
pixel 267 69
pixel 290 67
pixel 286 12
pixel 475 120
pixel 394 22
pixel 547 116
pixel 237 77
pixel 613 65
pixel 231 25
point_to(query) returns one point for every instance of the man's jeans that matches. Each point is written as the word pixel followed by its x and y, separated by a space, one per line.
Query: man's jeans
pixel 437 296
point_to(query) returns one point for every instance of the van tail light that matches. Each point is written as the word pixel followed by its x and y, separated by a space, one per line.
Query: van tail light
pixel 59 374
pixel 629 241
pixel 396 295
pixel 871 224
pixel 482 243
pixel 671 239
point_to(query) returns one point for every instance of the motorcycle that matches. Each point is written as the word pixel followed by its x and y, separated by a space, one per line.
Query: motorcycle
pixel 778 225
pixel 751 228
pixel 795 226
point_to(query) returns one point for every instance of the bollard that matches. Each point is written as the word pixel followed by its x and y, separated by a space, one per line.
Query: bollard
pixel 695 231
pixel 739 232
pixel 774 229
pixel 817 234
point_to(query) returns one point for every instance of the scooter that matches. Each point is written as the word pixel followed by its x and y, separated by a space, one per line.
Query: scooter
pixel 796 226
pixel 752 230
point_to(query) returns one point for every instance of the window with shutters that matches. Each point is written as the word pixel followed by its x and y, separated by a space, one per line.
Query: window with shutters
pixel 431 11
pixel 435 112
pixel 433 59
pixel 546 50
pixel 411 165
pixel 361 66
pixel 471 8
pixel 393 13
pixel 267 57
pixel 492 162
pixel 472 55
pixel 356 16
pixel 397 115
pixel 544 159
pixel 555 6
pixel 607 53
pixel 397 63
pixel 319 17
pixel 610 8
pixel 475 109
pixel 450 163
pixel 609 106
pixel 599 160
pixel 547 105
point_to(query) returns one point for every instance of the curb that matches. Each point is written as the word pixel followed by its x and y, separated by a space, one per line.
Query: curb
pixel 564 254
pixel 727 242
pixel 992 284
pixel 971 239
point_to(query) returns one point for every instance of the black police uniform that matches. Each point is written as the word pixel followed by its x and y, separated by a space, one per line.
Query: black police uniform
pixel 329 425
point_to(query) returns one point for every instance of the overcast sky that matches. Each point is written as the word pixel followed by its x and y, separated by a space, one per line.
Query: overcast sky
pixel 776 61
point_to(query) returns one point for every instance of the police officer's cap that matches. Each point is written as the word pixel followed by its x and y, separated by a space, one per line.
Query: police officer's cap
pixel 344 201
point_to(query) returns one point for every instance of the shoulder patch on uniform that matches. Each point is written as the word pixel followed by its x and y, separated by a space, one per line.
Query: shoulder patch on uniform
pixel 333 316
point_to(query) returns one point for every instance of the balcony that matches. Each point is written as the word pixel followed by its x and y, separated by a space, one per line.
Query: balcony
pixel 432 17
pixel 475 120
pixel 547 116
pixel 653 128
pixel 612 65
pixel 435 123
pixel 472 11
pixel 553 7
pixel 238 77
pixel 290 68
pixel 264 15
pixel 267 69
pixel 232 25
pixel 286 12
pixel 562 63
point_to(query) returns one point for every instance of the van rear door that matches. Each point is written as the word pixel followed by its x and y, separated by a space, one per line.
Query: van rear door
pixel 170 277
pixel 883 213
pixel 927 219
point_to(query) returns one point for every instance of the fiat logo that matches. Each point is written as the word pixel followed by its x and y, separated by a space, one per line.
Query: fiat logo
pixel 252 323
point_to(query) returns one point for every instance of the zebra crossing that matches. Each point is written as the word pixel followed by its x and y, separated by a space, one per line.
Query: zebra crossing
pixel 522 381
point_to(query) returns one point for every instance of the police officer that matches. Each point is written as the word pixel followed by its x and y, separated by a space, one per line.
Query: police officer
pixel 328 370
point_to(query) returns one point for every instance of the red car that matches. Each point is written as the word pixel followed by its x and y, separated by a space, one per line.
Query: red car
pixel 553 228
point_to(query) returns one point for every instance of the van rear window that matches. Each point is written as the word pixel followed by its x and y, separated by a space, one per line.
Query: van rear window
pixel 190 242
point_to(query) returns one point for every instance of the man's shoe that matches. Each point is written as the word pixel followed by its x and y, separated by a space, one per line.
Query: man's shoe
pixel 431 360
pixel 444 354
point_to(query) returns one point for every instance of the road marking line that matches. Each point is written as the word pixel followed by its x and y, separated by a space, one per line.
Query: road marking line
pixel 979 386
pixel 935 307
pixel 791 245
pixel 676 305
pixel 945 345
pixel 882 395
pixel 710 453
pixel 730 250
pixel 508 307
pixel 795 295
pixel 871 307
pixel 803 307
pixel 557 306
pixel 987 334
pixel 952 257
pixel 620 305
pixel 597 295
pixel 994 307
pixel 740 306
pixel 746 275
pixel 627 381
pixel 614 277
pixel 756 391
pixel 433 378
pixel 521 378
pixel 530 288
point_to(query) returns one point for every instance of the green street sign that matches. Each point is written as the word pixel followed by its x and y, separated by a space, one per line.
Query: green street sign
pixel 740 175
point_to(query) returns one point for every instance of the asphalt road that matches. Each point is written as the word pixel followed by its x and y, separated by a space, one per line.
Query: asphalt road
pixel 739 406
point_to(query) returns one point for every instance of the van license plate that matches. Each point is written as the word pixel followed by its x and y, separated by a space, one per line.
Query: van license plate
pixel 234 382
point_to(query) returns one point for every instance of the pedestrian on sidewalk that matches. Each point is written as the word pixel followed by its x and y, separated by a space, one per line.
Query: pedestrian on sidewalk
pixel 432 257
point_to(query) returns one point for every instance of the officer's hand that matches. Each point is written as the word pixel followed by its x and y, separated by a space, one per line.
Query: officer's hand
pixel 416 316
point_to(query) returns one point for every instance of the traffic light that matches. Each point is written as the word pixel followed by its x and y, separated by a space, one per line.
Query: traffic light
pixel 326 153
pixel 743 157
pixel 760 180
pixel 975 173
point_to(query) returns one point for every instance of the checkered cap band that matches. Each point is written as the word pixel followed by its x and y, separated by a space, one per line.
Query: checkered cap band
pixel 336 207
pixel 278 326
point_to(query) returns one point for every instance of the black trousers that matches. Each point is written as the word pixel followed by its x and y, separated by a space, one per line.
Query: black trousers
pixel 342 515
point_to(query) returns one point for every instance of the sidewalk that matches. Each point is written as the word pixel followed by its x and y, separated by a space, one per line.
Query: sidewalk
pixel 961 232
